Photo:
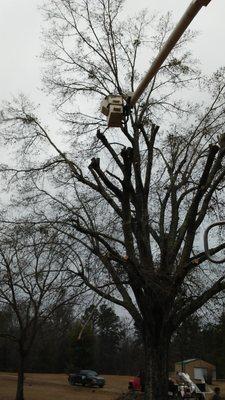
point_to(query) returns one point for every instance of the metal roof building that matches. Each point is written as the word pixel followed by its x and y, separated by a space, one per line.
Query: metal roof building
pixel 197 369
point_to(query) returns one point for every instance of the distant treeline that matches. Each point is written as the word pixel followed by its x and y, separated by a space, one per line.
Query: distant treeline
pixel 98 340
pixel 103 341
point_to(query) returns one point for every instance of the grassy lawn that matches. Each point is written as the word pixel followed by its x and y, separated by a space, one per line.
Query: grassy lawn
pixel 55 387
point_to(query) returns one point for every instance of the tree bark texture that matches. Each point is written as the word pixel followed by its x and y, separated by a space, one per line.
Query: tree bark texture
pixel 20 379
pixel 156 366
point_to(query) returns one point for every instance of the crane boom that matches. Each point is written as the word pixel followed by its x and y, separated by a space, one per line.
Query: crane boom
pixel 181 27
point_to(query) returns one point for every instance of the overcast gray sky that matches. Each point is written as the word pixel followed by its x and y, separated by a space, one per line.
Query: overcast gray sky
pixel 20 44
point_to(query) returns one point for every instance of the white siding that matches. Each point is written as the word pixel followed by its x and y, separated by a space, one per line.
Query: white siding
pixel 200 373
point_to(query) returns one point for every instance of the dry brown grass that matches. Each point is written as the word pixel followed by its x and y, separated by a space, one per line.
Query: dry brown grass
pixel 56 387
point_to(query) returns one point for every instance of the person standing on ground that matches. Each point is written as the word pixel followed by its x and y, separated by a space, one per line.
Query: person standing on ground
pixel 216 395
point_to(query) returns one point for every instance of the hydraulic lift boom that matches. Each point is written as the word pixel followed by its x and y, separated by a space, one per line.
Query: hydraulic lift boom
pixel 181 27
pixel 112 106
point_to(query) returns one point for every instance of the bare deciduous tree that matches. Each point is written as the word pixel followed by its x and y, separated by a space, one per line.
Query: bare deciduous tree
pixel 33 284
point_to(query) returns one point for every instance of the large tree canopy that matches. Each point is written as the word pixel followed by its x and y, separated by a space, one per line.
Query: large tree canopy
pixel 135 199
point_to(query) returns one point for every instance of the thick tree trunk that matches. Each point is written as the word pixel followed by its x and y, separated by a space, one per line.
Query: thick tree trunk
pixel 20 379
pixel 156 366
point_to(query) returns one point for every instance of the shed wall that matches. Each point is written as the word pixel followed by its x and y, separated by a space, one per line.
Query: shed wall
pixel 189 368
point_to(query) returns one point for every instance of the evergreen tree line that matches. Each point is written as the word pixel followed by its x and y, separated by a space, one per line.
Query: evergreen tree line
pixel 98 340
pixel 206 341
pixel 107 343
